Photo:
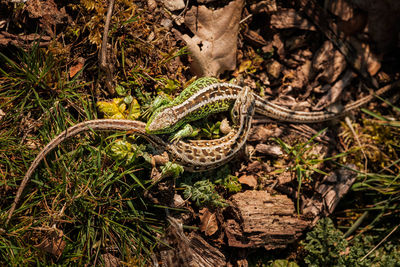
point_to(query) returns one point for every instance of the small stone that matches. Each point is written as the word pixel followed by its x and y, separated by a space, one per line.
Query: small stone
pixel 173 5
pixel 151 4
pixel 167 23
pixel 274 69
pixel 272 150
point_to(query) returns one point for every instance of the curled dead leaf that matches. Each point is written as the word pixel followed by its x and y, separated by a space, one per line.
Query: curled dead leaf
pixel 52 241
pixel 249 180
pixel 77 67
pixel 208 222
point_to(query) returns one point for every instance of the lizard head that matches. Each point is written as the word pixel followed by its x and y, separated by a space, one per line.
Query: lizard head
pixel 162 122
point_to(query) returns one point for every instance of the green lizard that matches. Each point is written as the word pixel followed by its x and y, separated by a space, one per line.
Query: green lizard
pixel 207 95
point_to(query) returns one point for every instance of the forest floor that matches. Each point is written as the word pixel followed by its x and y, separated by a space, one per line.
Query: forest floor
pixel 319 194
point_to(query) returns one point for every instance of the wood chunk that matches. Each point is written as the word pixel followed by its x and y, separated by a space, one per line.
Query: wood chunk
pixel 263 220
pixel 189 251
pixel 329 192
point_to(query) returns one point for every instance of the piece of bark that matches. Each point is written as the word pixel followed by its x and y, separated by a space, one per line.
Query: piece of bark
pixel 260 134
pixel 24 41
pixel 263 220
pixel 285 178
pixel 255 166
pixel 110 260
pixel 329 192
pixel 274 69
pixel 189 251
pixel 173 5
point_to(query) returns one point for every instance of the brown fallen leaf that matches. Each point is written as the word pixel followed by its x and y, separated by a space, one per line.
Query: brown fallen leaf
pixel 77 67
pixel 329 63
pixel 208 222
pixel 52 242
pixel 47 13
pixel 249 180
pixel 214 44
pixel 110 260
pixel 289 18
pixel 254 38
pixel 335 91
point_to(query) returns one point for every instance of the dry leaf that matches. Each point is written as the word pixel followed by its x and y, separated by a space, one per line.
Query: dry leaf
pixel 329 62
pixel 77 67
pixel 341 8
pixel 214 44
pixel 254 38
pixel 289 18
pixel 249 180
pixel 47 13
pixel 335 91
pixel 266 6
pixel 208 222
pixel 53 242
pixel 110 260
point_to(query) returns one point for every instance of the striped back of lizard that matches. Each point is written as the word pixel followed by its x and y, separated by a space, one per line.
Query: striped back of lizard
pixel 207 96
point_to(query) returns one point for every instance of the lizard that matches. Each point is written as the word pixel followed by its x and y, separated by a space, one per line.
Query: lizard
pixel 193 155
pixel 199 99
pixel 207 95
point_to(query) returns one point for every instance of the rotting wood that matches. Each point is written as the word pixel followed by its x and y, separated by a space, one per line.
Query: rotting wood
pixel 263 220
pixel 190 250
pixel 329 192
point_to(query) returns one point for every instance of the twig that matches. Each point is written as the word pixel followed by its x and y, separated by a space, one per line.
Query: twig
pixel 383 240
pixel 108 68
